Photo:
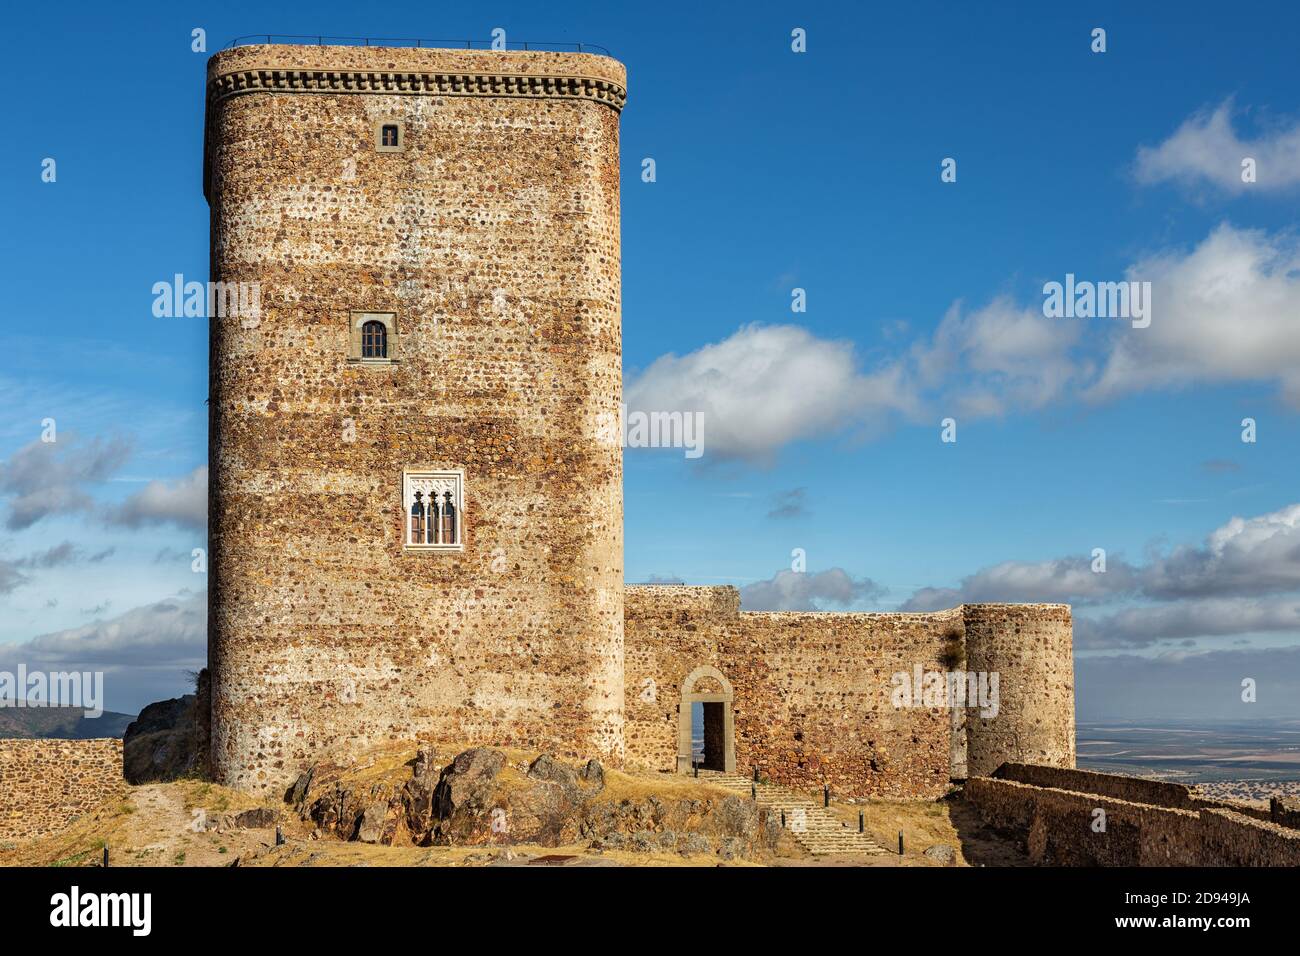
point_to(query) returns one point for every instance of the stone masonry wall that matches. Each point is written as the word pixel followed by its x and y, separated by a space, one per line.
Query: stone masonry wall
pixel 45 784
pixel 812 692
pixel 494 238
pixel 1285 811
pixel 1131 789
pixel 1058 829
pixel 1031 647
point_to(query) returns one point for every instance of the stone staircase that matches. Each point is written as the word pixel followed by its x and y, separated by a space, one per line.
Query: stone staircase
pixel 814 827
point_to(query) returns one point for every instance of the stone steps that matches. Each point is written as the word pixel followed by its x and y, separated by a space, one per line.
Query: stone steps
pixel 820 831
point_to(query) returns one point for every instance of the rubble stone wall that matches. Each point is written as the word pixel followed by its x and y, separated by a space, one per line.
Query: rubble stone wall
pixel 1061 827
pixel 813 693
pixel 492 235
pixel 45 784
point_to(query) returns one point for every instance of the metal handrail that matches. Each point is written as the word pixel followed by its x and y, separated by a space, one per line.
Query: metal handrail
pixel 305 40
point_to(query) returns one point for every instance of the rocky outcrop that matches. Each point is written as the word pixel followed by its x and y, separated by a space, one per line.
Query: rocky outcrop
pixel 480 799
pixel 162 743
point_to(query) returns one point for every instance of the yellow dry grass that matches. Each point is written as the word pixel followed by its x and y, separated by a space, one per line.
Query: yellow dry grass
pixel 924 823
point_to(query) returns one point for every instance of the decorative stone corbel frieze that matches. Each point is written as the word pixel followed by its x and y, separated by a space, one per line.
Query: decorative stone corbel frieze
pixel 237 81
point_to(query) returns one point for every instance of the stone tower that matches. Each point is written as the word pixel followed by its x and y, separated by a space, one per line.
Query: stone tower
pixel 435 234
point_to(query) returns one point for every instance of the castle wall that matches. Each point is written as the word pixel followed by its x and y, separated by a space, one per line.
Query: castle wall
pixel 1060 827
pixel 46 784
pixel 494 237
pixel 813 692
pixel 1030 646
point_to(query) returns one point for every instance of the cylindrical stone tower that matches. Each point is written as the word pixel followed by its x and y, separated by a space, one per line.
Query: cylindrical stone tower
pixel 1029 647
pixel 416 473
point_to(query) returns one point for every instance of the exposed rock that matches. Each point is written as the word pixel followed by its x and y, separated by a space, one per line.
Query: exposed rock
pixel 162 743
pixel 372 823
pixel 478 799
pixel 548 768
pixel 694 844
pixel 593 774
pixel 466 784
pixel 425 762
pixel 943 854
pixel 254 819
pixel 297 794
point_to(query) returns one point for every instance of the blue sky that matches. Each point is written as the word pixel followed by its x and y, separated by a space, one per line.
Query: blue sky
pixel 774 170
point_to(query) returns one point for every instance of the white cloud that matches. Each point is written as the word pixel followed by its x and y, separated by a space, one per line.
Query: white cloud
pixel 983 362
pixel 1067 580
pixel 144 653
pixel 183 502
pixel 806 591
pixel 1244 579
pixel 1229 311
pixel 766 386
pixel 1191 618
pixel 1244 556
pixel 1206 148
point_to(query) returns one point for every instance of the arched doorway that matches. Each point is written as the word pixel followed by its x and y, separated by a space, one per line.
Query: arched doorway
pixel 706 686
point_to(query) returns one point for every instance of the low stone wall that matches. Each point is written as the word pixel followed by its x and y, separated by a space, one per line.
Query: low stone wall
pixel 45 784
pixel 1133 789
pixel 1285 811
pixel 1058 827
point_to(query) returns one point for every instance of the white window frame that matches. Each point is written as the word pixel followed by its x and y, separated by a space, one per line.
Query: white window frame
pixel 438 480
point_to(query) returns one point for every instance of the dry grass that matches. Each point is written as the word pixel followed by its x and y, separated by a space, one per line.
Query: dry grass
pixel 153 825
pixel 79 844
pixel 622 786
pixel 924 823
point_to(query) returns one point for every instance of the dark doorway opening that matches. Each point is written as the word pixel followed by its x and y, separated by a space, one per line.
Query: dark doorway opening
pixel 711 732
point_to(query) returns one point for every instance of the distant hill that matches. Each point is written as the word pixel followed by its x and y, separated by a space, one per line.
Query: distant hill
pixel 62 723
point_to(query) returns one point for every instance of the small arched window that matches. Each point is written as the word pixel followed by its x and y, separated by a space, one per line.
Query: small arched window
pixel 417 520
pixel 374 340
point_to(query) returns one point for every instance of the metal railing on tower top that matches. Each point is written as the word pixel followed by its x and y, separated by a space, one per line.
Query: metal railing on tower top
pixel 554 46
